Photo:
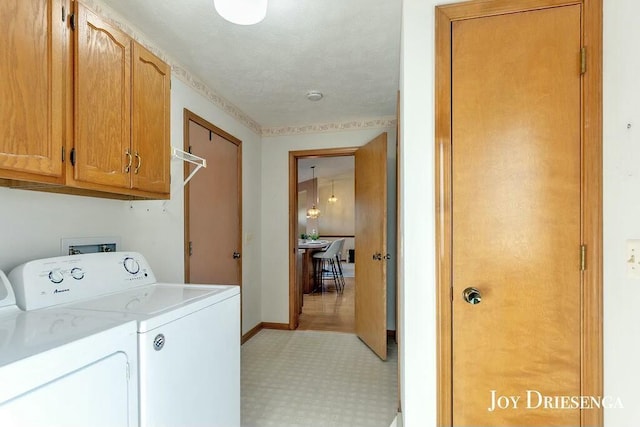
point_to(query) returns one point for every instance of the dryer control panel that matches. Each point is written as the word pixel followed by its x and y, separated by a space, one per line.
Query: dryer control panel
pixel 60 280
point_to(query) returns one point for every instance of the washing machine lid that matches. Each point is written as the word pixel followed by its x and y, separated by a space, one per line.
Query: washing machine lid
pixel 24 334
pixel 158 304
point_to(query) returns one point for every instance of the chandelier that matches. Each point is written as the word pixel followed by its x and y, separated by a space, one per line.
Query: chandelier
pixel 314 212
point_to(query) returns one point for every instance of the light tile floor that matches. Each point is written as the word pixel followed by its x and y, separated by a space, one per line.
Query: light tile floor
pixel 316 379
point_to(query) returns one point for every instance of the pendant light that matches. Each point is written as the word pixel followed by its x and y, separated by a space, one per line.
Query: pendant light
pixel 241 12
pixel 333 198
pixel 313 212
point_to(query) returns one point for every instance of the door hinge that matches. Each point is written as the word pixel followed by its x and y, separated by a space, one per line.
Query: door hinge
pixel 62 154
pixel 72 156
pixel 190 150
pixel 64 15
pixel 583 257
pixel 583 60
pixel 190 248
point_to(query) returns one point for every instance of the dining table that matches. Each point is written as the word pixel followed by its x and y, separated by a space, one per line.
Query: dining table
pixel 308 272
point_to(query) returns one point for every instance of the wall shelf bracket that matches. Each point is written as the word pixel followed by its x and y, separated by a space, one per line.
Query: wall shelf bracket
pixel 189 158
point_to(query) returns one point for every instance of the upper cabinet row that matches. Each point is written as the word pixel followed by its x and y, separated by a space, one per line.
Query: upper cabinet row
pixel 85 109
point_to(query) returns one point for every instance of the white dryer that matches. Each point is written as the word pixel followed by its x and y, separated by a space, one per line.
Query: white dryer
pixel 188 335
pixel 65 368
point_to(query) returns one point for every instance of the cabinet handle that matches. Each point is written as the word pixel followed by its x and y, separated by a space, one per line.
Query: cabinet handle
pixel 128 167
pixel 139 157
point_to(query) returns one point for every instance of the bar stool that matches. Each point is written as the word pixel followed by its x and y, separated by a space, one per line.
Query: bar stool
pixel 326 262
pixel 339 261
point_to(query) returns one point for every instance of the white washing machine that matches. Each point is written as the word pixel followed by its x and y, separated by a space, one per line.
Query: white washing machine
pixel 65 368
pixel 188 335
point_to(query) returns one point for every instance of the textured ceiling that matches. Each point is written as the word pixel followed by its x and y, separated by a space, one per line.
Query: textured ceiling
pixel 347 49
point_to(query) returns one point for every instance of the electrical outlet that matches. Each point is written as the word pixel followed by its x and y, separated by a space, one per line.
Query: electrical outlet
pixel 633 259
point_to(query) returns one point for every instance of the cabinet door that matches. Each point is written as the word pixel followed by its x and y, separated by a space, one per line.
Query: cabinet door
pixel 32 92
pixel 150 132
pixel 102 102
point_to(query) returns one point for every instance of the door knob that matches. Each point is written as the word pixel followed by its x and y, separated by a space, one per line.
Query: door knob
pixel 472 296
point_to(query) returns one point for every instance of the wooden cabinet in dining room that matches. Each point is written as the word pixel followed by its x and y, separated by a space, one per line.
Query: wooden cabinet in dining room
pixel 32 90
pixel 121 111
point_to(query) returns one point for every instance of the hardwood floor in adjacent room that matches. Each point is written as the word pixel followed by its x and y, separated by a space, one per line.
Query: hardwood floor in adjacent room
pixel 330 311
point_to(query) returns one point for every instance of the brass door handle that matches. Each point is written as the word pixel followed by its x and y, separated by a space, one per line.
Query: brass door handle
pixel 139 157
pixel 128 167
pixel 472 296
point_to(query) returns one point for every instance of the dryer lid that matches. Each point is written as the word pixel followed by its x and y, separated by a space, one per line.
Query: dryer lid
pixel 27 333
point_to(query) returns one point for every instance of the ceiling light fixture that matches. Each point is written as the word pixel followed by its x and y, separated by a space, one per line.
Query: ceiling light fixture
pixel 242 12
pixel 313 212
pixel 333 198
pixel 314 95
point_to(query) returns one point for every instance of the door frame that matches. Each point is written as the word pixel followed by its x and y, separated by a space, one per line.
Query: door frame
pixel 293 215
pixel 591 190
pixel 190 116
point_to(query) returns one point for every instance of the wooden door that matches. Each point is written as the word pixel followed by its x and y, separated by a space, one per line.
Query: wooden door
pixel 32 91
pixel 150 118
pixel 371 244
pixel 214 200
pixel 102 102
pixel 516 217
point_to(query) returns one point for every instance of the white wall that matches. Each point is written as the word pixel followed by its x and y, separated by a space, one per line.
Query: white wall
pixel 275 209
pixel 621 207
pixel 32 223
pixel 621 211
pixel 337 218
pixel 416 289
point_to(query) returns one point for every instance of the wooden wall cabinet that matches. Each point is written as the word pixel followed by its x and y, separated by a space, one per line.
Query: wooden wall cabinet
pixel 32 89
pixel 91 120
pixel 150 139
pixel 121 111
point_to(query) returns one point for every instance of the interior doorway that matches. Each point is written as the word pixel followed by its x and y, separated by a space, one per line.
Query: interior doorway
pixel 213 220
pixel 519 211
pixel 326 184
pixel 371 251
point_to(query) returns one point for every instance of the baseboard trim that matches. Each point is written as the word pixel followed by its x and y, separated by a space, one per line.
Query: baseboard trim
pixel 285 327
pixel 263 325
pixel 246 337
pixel 272 325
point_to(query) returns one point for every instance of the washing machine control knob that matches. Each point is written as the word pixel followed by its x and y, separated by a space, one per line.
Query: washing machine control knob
pixel 77 273
pixel 56 276
pixel 131 265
